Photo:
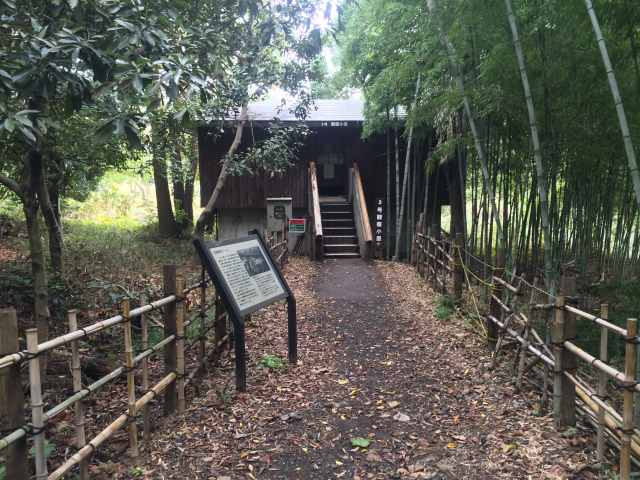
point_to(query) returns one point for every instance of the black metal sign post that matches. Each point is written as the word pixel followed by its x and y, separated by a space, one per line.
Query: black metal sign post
pixel 233 266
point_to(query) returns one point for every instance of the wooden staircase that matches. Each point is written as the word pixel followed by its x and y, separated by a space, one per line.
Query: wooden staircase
pixel 339 230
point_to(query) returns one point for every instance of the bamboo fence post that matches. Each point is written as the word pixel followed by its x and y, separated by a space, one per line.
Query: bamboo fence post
pixel 37 407
pixel 146 412
pixel 564 391
pixel 131 381
pixel 203 323
pixel 602 385
pixel 458 273
pixel 627 397
pixel 170 396
pixel 11 396
pixel 78 406
pixel 496 311
pixel 180 310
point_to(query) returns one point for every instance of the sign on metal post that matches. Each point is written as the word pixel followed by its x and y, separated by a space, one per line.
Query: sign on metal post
pixel 247 279
pixel 297 225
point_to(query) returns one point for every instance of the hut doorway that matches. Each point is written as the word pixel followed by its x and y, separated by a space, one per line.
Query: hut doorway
pixel 332 173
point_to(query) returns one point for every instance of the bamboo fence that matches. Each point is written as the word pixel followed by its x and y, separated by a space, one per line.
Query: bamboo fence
pixel 543 329
pixel 180 312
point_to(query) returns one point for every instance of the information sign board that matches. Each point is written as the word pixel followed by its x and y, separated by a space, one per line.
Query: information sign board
pixel 246 273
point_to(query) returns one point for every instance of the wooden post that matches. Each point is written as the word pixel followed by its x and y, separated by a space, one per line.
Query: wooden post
pixel 146 411
pixel 37 408
pixel 131 381
pixel 78 406
pixel 170 395
pixel 180 311
pixel 564 391
pixel 458 272
pixel 12 397
pixel 241 362
pixel 292 330
pixel 602 385
pixel 627 398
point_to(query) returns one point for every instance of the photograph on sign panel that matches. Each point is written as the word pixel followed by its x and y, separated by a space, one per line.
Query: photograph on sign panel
pixel 253 260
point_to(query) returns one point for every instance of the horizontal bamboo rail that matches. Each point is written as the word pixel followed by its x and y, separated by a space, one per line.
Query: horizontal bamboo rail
pixel 597 320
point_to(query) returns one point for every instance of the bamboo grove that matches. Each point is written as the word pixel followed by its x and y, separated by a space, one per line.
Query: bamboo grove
pixel 530 75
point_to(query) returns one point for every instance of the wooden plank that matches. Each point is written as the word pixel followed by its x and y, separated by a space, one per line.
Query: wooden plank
pixel 12 397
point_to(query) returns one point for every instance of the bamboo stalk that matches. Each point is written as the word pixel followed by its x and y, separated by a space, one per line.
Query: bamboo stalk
pixel 180 307
pixel 602 385
pixel 37 407
pixel 78 406
pixel 111 428
pixel 617 97
pixel 131 381
pixel 203 319
pixel 146 412
pixel 627 395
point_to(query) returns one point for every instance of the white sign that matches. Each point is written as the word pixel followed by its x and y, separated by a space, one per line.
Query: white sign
pixel 248 274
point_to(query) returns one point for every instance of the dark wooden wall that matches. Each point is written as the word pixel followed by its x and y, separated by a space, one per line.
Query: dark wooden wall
pixel 250 191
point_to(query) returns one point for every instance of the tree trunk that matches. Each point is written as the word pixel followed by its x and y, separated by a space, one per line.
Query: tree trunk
pixel 179 191
pixel 190 180
pixel 38 266
pixel 166 220
pixel 54 228
pixel 206 216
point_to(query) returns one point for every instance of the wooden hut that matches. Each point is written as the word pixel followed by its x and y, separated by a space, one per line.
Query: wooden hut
pixel 338 183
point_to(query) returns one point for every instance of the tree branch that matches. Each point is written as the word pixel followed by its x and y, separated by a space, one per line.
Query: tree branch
pixel 207 213
pixel 11 185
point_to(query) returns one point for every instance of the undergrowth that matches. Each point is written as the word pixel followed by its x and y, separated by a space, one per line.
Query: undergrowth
pixel 445 307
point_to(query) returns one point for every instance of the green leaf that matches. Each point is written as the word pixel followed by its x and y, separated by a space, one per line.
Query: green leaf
pixel 360 442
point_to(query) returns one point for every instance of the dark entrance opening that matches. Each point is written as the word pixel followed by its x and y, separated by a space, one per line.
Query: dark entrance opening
pixel 333 173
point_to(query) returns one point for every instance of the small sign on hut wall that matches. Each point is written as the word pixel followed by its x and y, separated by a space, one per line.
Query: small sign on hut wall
pixel 297 225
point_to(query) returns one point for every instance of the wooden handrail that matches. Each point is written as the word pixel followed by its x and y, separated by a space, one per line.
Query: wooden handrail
pixel 362 204
pixel 315 200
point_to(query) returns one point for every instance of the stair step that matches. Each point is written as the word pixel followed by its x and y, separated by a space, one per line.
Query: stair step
pixel 335 207
pixel 337 220
pixel 339 238
pixel 338 231
pixel 342 255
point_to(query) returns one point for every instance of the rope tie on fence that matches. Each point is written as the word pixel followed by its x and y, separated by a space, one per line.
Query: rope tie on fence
pixel 26 356
pixel 126 369
pixel 626 385
pixel 632 339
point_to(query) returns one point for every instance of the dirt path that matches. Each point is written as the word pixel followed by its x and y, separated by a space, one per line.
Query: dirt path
pixel 376 368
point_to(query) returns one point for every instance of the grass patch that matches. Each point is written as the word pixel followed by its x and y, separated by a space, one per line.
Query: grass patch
pixel 445 307
pixel 272 362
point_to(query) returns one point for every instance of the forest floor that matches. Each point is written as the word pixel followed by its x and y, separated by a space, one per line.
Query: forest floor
pixel 383 389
